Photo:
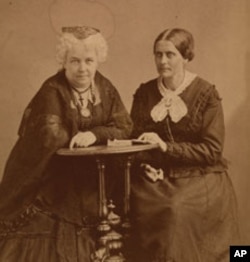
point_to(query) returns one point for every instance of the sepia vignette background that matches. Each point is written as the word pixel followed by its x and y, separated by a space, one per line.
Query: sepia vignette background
pixel 28 35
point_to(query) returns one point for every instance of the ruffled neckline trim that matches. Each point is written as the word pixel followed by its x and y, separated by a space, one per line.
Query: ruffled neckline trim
pixel 171 103
pixel 188 79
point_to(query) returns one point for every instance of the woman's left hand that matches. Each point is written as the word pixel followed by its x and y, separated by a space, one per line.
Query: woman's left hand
pixel 153 138
pixel 82 139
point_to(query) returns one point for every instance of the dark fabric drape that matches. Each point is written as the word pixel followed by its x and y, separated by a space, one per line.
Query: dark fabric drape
pixel 36 180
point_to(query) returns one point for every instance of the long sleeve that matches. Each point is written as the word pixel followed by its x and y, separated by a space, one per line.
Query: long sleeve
pixel 208 149
pixel 199 137
pixel 117 123
pixel 140 112
pixel 41 133
pixel 43 130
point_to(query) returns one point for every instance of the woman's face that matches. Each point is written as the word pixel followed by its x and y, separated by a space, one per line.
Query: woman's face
pixel 81 65
pixel 168 59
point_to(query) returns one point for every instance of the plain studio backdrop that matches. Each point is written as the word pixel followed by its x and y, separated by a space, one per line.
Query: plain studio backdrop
pixel 28 35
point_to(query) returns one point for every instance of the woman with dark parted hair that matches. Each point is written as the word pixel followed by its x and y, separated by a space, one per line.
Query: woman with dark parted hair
pixel 183 203
pixel 49 203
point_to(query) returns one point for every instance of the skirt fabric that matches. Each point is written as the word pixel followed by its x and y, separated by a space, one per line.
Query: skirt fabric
pixel 44 239
pixel 190 219
pixel 66 231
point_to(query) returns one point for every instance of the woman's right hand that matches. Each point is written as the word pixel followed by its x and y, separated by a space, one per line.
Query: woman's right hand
pixel 82 139
pixel 153 138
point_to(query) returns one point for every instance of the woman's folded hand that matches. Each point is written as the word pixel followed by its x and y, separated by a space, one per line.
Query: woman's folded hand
pixel 151 173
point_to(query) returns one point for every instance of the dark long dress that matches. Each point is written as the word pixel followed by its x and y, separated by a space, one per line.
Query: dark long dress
pixel 190 215
pixel 48 204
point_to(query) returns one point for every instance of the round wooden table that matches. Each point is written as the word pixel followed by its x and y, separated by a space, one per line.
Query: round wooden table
pixel 101 153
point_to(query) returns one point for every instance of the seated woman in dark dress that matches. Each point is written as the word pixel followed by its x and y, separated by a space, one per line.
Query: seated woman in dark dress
pixel 48 207
pixel 183 202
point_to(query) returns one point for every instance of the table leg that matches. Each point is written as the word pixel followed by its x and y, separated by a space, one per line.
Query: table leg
pixel 103 210
pixel 110 241
pixel 127 193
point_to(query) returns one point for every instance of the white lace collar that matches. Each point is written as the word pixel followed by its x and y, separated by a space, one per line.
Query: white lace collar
pixel 171 104
pixel 188 79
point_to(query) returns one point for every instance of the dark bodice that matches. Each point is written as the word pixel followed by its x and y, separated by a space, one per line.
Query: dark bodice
pixel 197 139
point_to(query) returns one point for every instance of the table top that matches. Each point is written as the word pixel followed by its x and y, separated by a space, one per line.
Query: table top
pixel 105 150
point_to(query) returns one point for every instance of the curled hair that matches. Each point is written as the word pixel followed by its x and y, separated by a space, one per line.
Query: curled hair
pixel 66 41
pixel 182 40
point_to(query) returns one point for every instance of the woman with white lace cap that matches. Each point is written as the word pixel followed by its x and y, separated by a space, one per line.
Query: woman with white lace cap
pixel 183 203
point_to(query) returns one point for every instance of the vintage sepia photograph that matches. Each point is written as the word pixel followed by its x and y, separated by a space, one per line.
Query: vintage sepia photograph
pixel 124 131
